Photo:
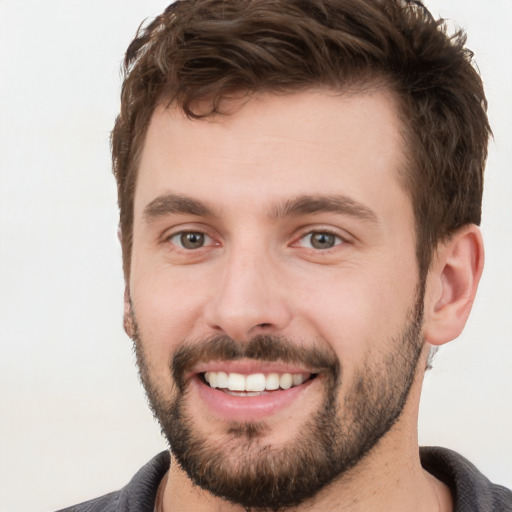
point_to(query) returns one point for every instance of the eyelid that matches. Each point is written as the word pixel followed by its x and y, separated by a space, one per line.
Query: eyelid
pixel 168 234
pixel 309 230
pixel 207 240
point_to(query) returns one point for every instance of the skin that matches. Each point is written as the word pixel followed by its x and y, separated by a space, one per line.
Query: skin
pixel 257 272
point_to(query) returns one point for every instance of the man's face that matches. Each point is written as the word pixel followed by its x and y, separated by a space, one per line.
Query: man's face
pixel 275 247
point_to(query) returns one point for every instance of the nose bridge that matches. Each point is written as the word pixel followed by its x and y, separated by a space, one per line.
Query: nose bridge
pixel 248 299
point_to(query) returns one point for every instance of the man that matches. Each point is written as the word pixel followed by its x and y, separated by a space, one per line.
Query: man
pixel 300 187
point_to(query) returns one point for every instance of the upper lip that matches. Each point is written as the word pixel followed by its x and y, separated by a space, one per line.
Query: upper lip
pixel 248 367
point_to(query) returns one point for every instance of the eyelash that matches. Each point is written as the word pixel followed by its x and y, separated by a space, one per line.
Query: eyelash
pixel 339 239
pixel 183 233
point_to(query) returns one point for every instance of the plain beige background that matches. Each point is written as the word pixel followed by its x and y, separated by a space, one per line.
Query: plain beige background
pixel 73 419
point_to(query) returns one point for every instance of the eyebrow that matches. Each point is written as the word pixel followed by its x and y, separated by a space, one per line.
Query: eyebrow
pixel 168 204
pixel 311 204
pixel 171 203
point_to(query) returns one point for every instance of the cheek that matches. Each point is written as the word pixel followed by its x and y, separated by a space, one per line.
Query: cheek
pixel 166 310
pixel 359 312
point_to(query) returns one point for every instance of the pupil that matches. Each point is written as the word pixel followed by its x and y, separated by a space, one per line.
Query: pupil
pixel 192 240
pixel 322 240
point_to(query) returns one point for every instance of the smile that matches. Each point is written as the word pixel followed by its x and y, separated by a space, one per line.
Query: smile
pixel 246 391
pixel 255 383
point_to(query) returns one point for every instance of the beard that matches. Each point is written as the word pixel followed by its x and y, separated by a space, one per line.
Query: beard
pixel 244 467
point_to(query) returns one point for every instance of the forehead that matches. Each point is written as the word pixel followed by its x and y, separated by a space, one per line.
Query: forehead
pixel 275 146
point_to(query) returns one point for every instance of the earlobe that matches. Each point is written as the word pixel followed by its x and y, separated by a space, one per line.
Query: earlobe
pixel 452 283
pixel 127 316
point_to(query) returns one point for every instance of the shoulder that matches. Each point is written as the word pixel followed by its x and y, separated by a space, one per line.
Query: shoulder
pixel 137 496
pixel 471 490
pixel 107 503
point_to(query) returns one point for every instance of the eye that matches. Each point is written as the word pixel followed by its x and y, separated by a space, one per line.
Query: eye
pixel 320 240
pixel 190 240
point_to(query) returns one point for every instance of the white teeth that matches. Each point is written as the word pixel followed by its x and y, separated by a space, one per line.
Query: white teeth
pixel 254 383
pixel 272 381
pixel 222 380
pixel 297 379
pixel 236 382
pixel 286 381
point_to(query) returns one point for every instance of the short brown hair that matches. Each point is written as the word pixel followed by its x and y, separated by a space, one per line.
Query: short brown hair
pixel 214 49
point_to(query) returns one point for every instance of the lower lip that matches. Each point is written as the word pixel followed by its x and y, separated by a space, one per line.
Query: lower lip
pixel 248 408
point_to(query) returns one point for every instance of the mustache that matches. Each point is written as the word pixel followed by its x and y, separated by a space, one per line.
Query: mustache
pixel 321 359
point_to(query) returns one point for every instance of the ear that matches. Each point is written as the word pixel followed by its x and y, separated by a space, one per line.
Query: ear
pixel 129 328
pixel 451 285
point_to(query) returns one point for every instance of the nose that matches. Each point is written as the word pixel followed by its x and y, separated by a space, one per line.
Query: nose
pixel 248 298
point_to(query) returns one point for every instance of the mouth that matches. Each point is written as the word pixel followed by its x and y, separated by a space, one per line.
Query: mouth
pixel 254 384
pixel 247 391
